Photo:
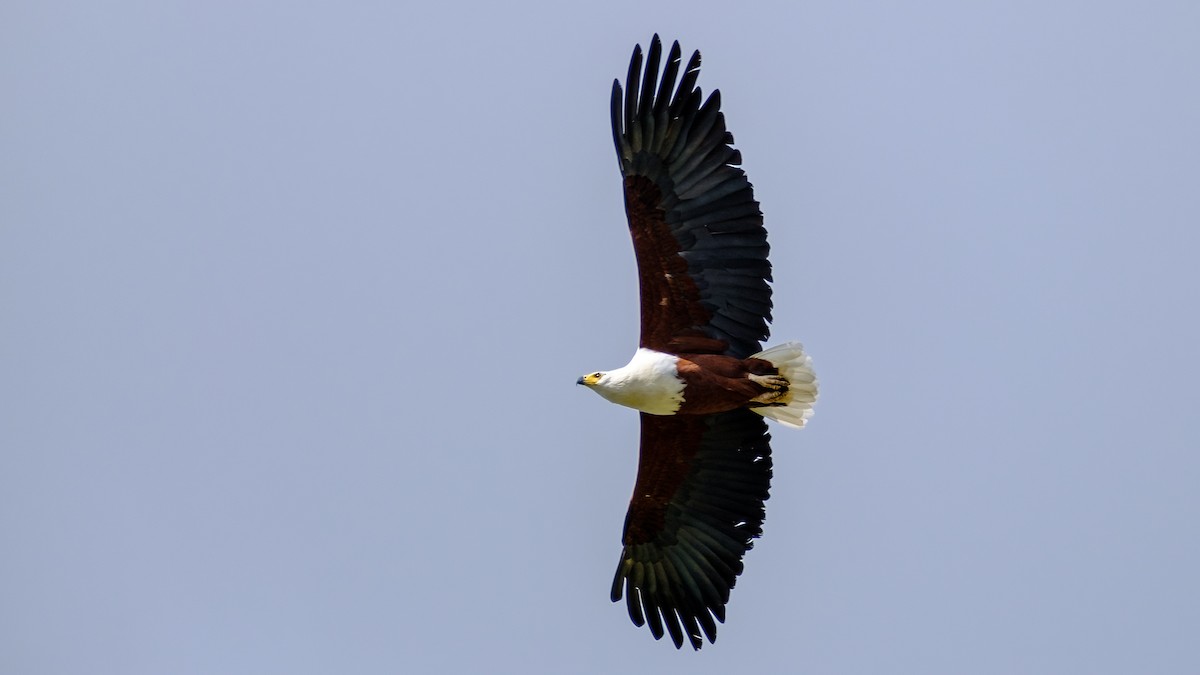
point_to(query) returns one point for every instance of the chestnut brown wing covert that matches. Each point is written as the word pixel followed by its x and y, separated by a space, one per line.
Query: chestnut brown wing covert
pixel 697 229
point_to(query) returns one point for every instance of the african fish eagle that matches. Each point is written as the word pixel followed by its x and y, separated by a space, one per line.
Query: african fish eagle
pixel 698 377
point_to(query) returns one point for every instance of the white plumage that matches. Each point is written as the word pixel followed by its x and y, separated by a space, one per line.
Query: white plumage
pixel 650 382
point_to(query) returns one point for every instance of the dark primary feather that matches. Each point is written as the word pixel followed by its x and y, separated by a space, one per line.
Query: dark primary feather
pixel 697 506
pixel 697 229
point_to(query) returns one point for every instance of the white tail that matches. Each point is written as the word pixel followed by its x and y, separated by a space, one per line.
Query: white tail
pixel 796 366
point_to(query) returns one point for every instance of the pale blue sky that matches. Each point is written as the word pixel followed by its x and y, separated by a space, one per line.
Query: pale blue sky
pixel 293 297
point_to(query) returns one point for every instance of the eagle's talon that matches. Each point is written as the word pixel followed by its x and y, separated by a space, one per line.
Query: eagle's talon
pixel 776 383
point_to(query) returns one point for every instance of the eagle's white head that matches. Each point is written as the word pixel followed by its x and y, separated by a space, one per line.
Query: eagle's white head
pixel 650 383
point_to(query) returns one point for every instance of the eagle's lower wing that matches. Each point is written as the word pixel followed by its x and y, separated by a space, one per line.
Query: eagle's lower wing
pixel 697 505
pixel 697 229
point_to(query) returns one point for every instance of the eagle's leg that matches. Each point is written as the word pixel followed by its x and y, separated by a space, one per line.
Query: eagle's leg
pixel 776 390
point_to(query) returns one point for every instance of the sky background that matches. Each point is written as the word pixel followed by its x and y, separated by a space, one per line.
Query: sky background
pixel 293 298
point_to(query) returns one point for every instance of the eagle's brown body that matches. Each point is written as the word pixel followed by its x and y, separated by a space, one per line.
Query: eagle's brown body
pixel 716 383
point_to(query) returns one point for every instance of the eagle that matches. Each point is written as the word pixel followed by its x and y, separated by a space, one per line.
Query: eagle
pixel 699 378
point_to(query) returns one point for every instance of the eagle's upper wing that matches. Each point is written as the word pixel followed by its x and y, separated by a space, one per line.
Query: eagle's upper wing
pixel 697 230
pixel 697 504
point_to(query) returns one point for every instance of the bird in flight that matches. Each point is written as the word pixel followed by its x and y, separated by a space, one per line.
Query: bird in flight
pixel 699 378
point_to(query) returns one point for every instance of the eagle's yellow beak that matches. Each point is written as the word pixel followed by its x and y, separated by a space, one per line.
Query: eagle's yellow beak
pixel 589 380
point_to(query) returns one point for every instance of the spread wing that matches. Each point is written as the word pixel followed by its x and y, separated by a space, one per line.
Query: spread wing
pixel 697 505
pixel 697 230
